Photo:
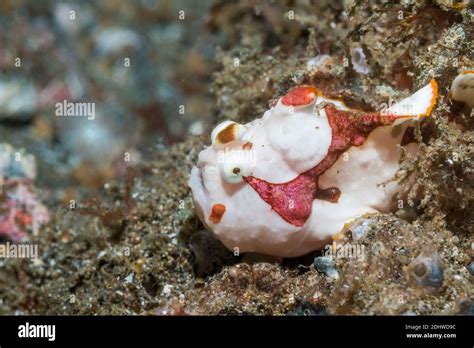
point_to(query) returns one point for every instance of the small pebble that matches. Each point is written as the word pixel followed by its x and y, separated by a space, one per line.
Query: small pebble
pixel 326 265
pixel 306 309
pixel 360 228
pixel 470 268
pixel 18 99
pixel 426 270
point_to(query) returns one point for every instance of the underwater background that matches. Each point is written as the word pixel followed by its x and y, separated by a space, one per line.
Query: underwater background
pixel 104 194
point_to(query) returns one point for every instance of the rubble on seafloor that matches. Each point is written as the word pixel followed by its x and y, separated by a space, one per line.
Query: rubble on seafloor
pixel 21 212
pixel 138 247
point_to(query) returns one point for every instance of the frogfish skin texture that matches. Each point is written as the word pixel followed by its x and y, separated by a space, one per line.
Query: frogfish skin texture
pixel 285 183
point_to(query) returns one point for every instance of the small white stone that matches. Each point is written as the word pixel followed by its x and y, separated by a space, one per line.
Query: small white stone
pixel 462 88
pixel 129 279
pixel 359 228
pixel 167 290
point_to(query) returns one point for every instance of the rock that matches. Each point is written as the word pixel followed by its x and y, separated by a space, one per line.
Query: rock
pixel 18 99
pixel 426 270
pixel 326 265
pixel 465 306
pixel 116 39
pixel 318 62
pixel 359 62
pixel 407 213
pixel 470 268
pixel 16 164
pixel 21 213
pixel 209 253
pixel 359 228
pixel 306 308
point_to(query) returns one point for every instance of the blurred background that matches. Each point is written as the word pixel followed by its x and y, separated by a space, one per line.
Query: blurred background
pixel 145 65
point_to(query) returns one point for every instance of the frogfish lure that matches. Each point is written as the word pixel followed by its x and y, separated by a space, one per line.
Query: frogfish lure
pixel 285 183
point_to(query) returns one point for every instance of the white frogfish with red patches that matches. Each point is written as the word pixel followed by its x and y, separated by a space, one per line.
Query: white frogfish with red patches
pixel 285 183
